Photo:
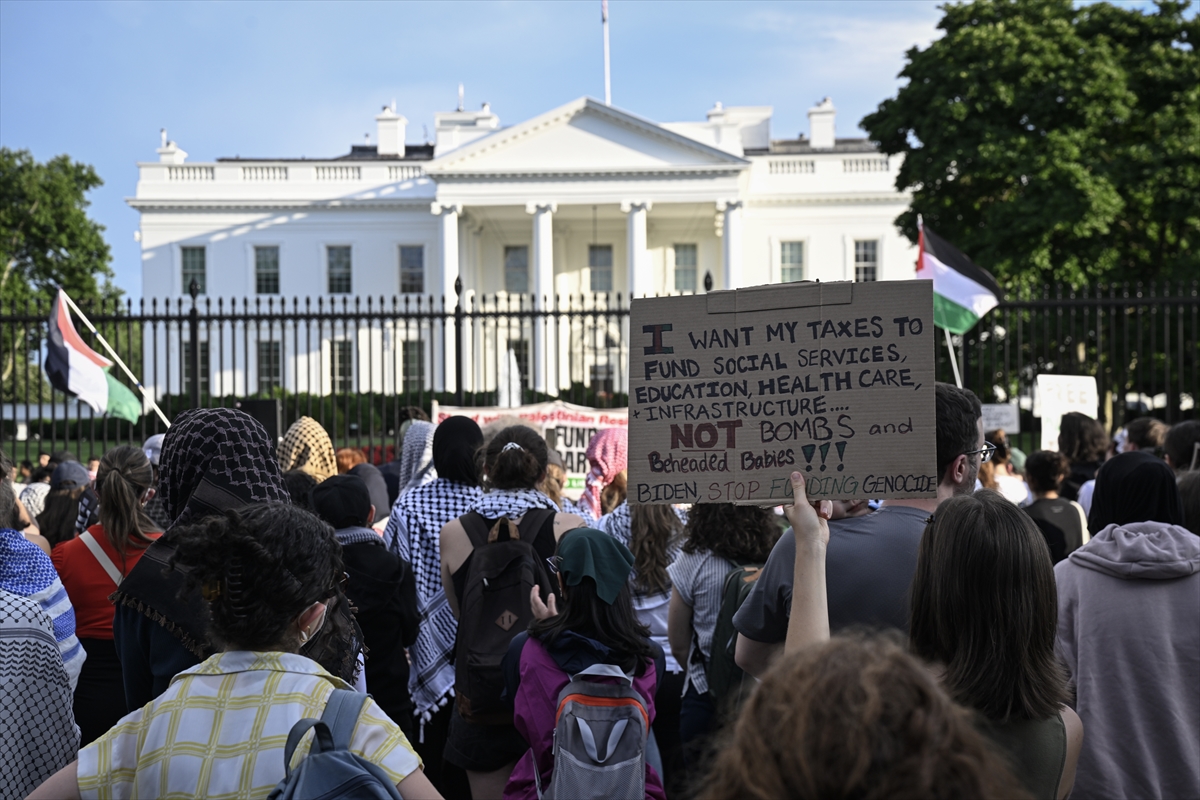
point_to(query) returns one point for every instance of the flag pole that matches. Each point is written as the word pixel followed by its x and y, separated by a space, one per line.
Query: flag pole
pixel 607 75
pixel 116 358
pixel 953 359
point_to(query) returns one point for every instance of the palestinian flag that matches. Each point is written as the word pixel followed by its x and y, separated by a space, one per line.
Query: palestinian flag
pixel 962 291
pixel 77 369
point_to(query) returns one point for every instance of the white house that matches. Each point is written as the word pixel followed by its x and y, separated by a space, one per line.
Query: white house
pixel 583 199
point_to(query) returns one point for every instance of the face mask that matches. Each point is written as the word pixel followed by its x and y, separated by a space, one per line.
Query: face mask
pixel 316 629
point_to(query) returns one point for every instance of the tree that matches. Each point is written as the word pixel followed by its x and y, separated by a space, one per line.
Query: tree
pixel 1053 142
pixel 46 237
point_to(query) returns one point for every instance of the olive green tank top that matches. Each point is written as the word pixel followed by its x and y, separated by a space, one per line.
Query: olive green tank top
pixel 1036 750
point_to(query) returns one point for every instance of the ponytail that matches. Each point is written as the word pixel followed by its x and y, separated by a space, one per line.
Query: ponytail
pixel 122 479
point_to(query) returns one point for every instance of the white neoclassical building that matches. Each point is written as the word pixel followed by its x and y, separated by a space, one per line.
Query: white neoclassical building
pixel 585 198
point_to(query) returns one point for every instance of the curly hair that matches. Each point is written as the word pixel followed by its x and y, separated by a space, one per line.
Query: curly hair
pixel 259 568
pixel 735 533
pixel 855 718
pixel 653 529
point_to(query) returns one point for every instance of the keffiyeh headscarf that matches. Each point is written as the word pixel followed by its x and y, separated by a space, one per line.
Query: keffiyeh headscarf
pixel 416 459
pixel 608 453
pixel 306 447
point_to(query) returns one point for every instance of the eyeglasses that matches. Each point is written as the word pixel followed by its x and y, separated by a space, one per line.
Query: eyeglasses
pixel 985 453
pixel 555 564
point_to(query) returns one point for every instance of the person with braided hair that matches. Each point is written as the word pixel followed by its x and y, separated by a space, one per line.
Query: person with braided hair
pixel 270 576
pixel 92 566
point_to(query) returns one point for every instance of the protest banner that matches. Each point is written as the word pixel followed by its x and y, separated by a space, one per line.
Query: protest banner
pixel 566 427
pixel 732 391
pixel 1001 417
pixel 1061 394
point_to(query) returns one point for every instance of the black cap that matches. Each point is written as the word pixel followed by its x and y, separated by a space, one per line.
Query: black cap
pixel 342 500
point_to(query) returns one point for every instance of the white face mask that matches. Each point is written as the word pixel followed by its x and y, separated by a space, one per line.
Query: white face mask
pixel 316 629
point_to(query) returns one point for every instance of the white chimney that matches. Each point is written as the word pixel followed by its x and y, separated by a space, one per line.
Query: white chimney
pixel 169 152
pixel 821 126
pixel 390 130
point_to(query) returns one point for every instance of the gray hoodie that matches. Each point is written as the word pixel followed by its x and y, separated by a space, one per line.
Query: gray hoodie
pixel 1129 633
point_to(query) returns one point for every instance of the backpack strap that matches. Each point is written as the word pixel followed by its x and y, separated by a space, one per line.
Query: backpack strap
pixel 341 715
pixel 106 563
pixel 532 522
pixel 476 527
pixel 322 741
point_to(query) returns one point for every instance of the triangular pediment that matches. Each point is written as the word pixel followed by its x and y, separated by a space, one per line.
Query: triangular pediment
pixel 584 136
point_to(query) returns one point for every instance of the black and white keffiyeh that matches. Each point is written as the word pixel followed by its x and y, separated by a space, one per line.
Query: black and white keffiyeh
pixel 511 503
pixel 412 533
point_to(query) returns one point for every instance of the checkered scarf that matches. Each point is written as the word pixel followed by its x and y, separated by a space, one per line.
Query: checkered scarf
pixel 416 459
pixel 510 503
pixel 306 447
pixel 608 453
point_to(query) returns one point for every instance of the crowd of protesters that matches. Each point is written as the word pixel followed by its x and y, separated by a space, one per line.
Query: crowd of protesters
pixel 169 613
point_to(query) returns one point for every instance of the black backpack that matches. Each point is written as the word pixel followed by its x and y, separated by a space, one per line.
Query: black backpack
pixel 494 608
pixel 726 680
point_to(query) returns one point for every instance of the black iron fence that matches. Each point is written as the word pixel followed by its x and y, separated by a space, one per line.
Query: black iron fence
pixel 361 365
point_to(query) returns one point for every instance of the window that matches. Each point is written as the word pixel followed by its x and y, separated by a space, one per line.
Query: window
pixel 516 269
pixel 685 267
pixel 185 359
pixel 602 379
pixel 866 260
pixel 339 270
pixel 266 270
pixel 413 375
pixel 412 269
pixel 600 266
pixel 341 366
pixel 791 261
pixel 193 268
pixel 270 367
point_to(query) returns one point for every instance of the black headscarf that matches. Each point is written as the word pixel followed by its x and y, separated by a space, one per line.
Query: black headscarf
pixel 455 444
pixel 377 487
pixel 1135 487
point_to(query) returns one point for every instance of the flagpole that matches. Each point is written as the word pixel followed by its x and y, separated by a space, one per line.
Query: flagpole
pixel 116 358
pixel 953 359
pixel 607 75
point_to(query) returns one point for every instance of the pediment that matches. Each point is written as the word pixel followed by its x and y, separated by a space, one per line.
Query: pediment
pixel 584 137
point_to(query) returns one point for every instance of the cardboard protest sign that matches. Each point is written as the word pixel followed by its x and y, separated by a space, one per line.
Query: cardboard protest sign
pixel 732 391
pixel 1001 417
pixel 566 427
pixel 1060 394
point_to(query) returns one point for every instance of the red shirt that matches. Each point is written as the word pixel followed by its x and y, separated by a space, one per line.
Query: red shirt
pixel 88 585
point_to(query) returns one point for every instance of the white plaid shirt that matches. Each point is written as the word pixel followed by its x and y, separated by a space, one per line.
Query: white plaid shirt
pixel 220 729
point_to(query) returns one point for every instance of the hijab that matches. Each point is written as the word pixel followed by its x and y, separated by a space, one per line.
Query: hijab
pixel 608 454
pixel 416 459
pixel 1135 487
pixel 306 447
pixel 455 444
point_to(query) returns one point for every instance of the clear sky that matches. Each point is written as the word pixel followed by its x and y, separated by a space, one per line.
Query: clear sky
pixel 96 80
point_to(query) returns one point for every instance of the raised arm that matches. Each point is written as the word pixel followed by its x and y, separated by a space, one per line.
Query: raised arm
pixel 809 622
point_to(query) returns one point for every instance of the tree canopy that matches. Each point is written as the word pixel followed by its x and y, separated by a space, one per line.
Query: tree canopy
pixel 1052 142
pixel 46 236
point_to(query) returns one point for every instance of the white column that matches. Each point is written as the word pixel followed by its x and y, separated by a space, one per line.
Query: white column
pixel 638 259
pixel 544 378
pixel 732 242
pixel 443 336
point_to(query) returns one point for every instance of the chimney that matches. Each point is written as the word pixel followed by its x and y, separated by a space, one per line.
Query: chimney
pixel 820 125
pixel 390 130
pixel 169 152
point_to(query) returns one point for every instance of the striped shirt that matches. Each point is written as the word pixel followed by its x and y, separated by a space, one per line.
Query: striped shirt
pixel 699 580
pixel 220 729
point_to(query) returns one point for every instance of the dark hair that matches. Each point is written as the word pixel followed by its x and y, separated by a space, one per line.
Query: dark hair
pixel 1147 433
pixel 123 477
pixel 298 484
pixel 1189 496
pixel 41 474
pixel 1045 470
pixel 958 412
pixel 615 626
pixel 1000 440
pixel 59 514
pixel 1081 439
pixel 258 568
pixel 62 456
pixel 518 467
pixel 736 533
pixel 854 718
pixel 653 529
pixel 1180 443
pixel 8 496
pixel 984 603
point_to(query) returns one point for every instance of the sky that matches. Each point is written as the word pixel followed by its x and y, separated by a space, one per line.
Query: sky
pixel 97 80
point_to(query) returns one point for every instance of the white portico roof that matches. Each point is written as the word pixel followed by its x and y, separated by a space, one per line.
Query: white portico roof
pixel 574 153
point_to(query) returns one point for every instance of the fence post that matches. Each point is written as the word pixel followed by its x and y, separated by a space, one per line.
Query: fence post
pixel 458 340
pixel 194 344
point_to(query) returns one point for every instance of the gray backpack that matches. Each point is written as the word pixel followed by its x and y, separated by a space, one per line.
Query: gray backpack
pixel 599 740
pixel 330 770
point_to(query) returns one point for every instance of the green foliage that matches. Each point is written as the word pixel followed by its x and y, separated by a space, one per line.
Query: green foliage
pixel 1052 142
pixel 46 237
